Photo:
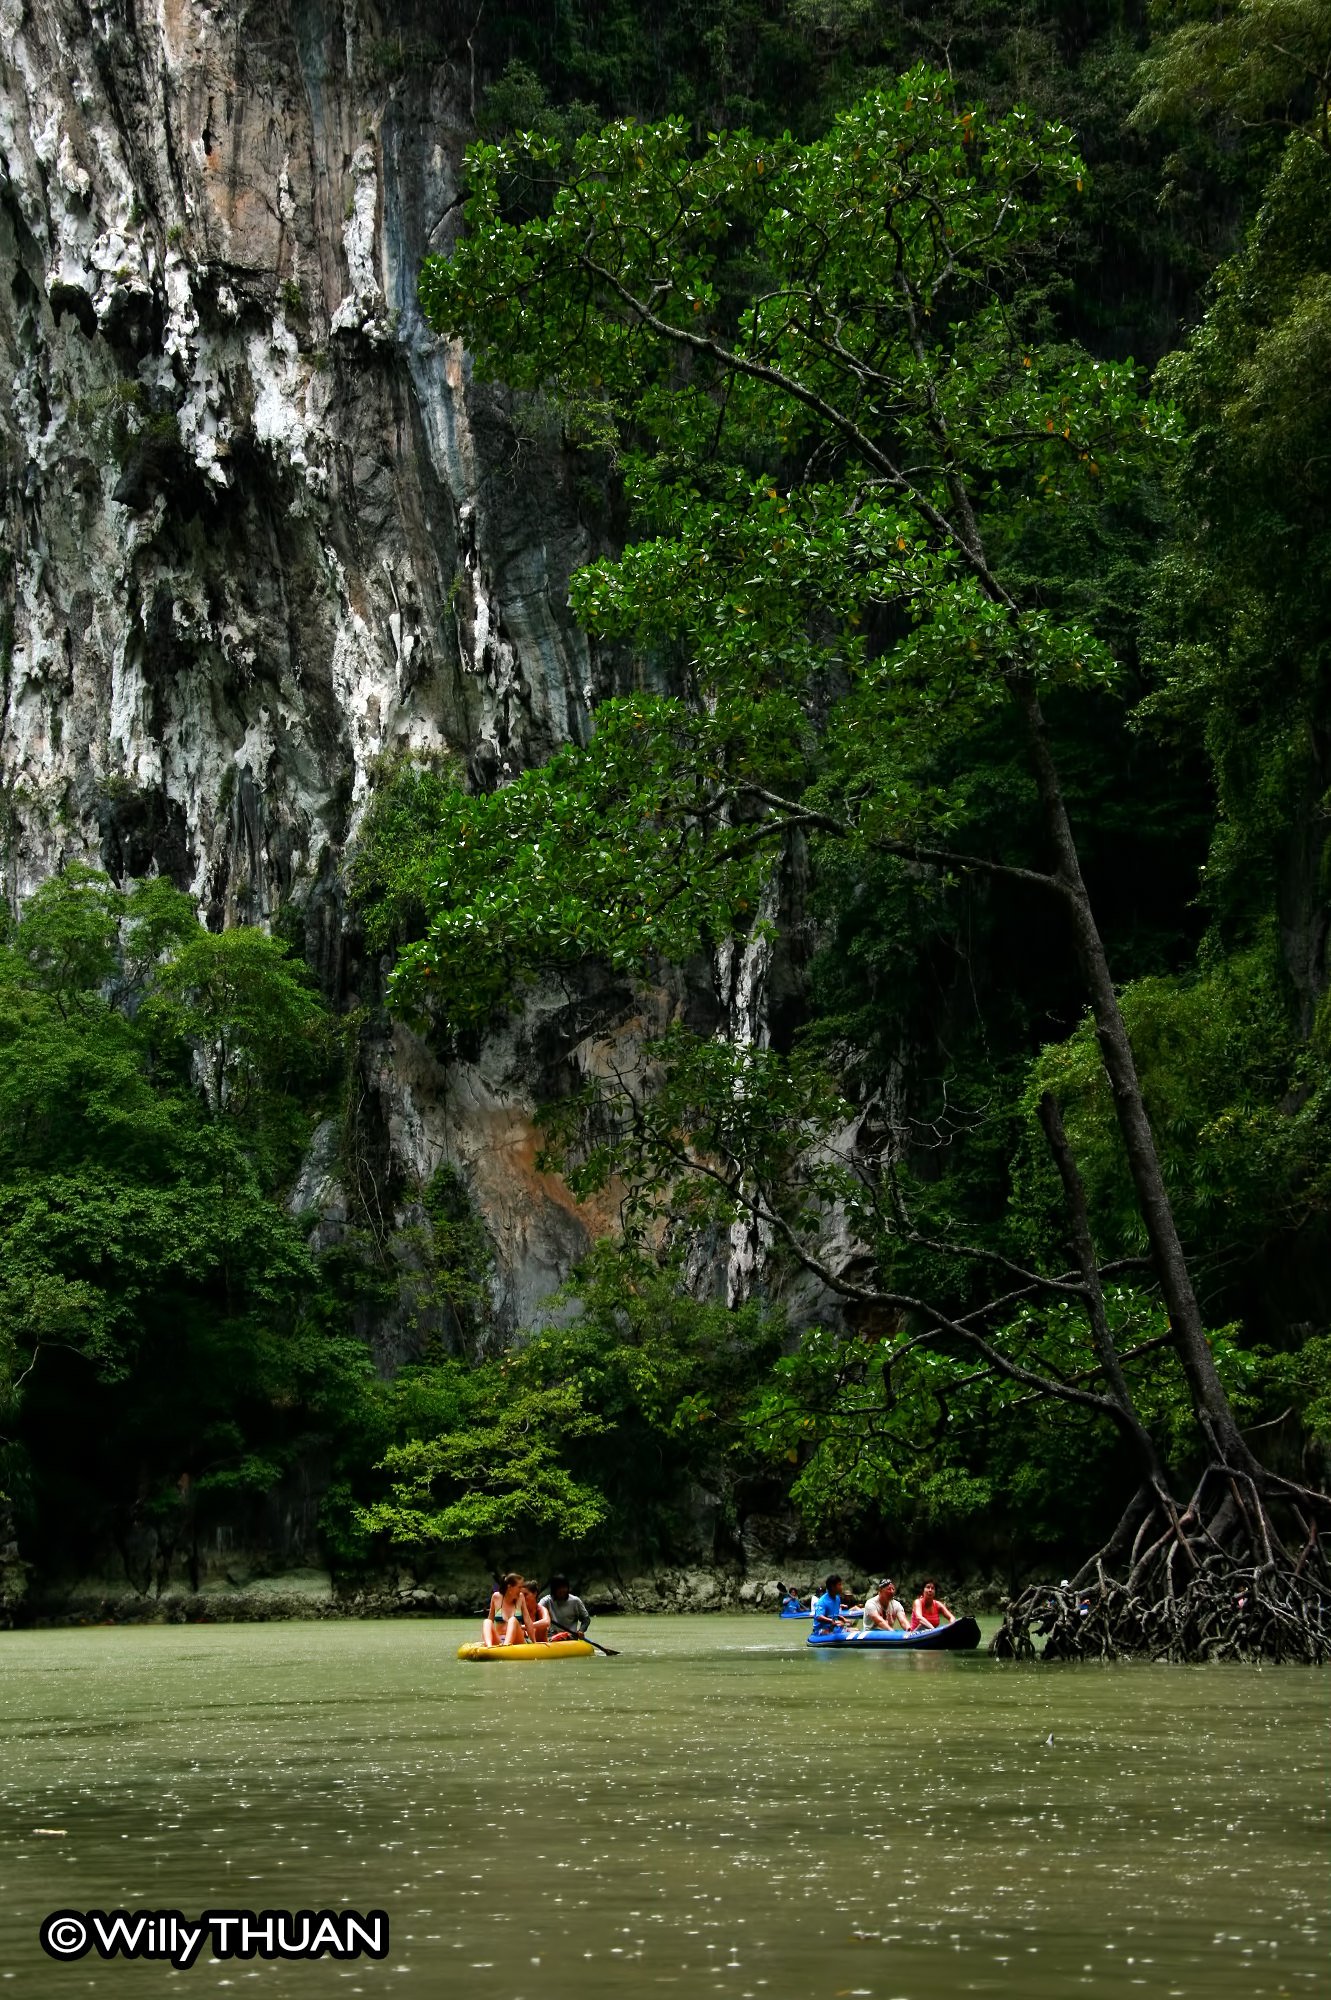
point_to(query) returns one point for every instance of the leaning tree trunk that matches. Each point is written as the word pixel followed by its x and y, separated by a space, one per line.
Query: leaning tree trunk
pixel 1214 1412
pixel 1240 1572
pixel 1217 1578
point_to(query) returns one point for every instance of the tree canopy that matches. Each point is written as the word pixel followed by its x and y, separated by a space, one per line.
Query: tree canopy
pixel 954 839
pixel 857 311
pixel 853 441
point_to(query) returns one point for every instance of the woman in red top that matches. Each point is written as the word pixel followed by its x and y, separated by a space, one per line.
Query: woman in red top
pixel 928 1608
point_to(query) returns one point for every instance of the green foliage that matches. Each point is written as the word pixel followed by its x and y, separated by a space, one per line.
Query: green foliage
pixel 876 496
pixel 449 1284
pixel 910 1444
pixel 1239 1105
pixel 485 1462
pixel 876 1427
pixel 1243 610
pixel 736 314
pixel 69 934
pixel 593 1430
pixel 519 102
pixel 393 865
pixel 667 1374
pixel 247 1023
pixel 565 864
pixel 1260 61
pixel 859 483
pixel 1304 1377
pixel 154 1303
pixel 715 66
pixel 1128 266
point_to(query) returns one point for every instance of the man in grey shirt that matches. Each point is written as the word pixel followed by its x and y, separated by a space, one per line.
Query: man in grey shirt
pixel 569 1616
pixel 883 1612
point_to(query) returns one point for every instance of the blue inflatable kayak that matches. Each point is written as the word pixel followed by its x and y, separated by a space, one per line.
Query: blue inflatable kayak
pixel 961 1636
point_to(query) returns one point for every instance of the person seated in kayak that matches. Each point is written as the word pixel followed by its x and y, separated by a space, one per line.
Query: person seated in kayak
pixel 791 1603
pixel 568 1615
pixel 508 1618
pixel 884 1611
pixel 830 1614
pixel 928 1608
pixel 850 1610
pixel 537 1617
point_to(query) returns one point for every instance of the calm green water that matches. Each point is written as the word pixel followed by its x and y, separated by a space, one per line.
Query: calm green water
pixel 714 1811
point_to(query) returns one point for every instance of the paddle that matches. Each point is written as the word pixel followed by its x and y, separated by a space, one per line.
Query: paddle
pixel 610 1652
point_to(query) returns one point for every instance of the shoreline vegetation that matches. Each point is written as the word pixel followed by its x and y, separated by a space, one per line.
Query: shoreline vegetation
pixel 913 978
pixel 698 1590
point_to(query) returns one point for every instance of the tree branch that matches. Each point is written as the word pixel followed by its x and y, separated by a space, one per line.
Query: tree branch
pixel 910 850
pixel 845 426
pixel 762 1211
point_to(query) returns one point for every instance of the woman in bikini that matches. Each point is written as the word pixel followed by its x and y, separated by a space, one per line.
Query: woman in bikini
pixel 534 1615
pixel 508 1613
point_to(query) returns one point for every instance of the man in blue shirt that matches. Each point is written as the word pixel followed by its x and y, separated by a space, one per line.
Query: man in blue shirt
pixel 829 1614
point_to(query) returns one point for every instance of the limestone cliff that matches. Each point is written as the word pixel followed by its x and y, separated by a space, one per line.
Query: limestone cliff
pixel 258 531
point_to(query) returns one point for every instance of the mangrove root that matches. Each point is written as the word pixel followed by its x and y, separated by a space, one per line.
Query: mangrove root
pixel 1215 1581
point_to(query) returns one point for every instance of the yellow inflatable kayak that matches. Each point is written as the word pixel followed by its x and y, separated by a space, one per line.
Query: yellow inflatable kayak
pixel 559 1649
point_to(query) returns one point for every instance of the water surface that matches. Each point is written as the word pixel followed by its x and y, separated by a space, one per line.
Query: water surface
pixel 716 1811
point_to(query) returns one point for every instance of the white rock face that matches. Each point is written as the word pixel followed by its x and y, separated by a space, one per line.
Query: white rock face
pixel 258 533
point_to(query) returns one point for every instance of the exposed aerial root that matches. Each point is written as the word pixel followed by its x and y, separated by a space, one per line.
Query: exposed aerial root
pixel 1216 1581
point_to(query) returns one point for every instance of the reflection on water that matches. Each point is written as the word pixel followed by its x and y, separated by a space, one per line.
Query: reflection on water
pixel 715 1811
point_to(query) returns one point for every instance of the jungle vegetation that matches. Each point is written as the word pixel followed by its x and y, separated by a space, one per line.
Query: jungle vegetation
pixel 956 378
pixel 870 470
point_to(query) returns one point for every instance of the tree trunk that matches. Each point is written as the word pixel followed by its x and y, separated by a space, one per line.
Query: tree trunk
pixel 1210 1402
pixel 1083 1247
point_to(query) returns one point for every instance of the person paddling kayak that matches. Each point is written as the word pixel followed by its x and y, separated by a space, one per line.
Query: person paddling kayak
pixel 829 1613
pixel 928 1608
pixel 568 1615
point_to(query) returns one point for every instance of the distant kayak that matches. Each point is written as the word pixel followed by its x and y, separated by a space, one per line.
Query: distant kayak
pixel 961 1636
pixel 559 1649
pixel 807 1615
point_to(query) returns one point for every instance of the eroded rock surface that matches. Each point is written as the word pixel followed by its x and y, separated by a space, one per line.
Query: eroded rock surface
pixel 258 531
